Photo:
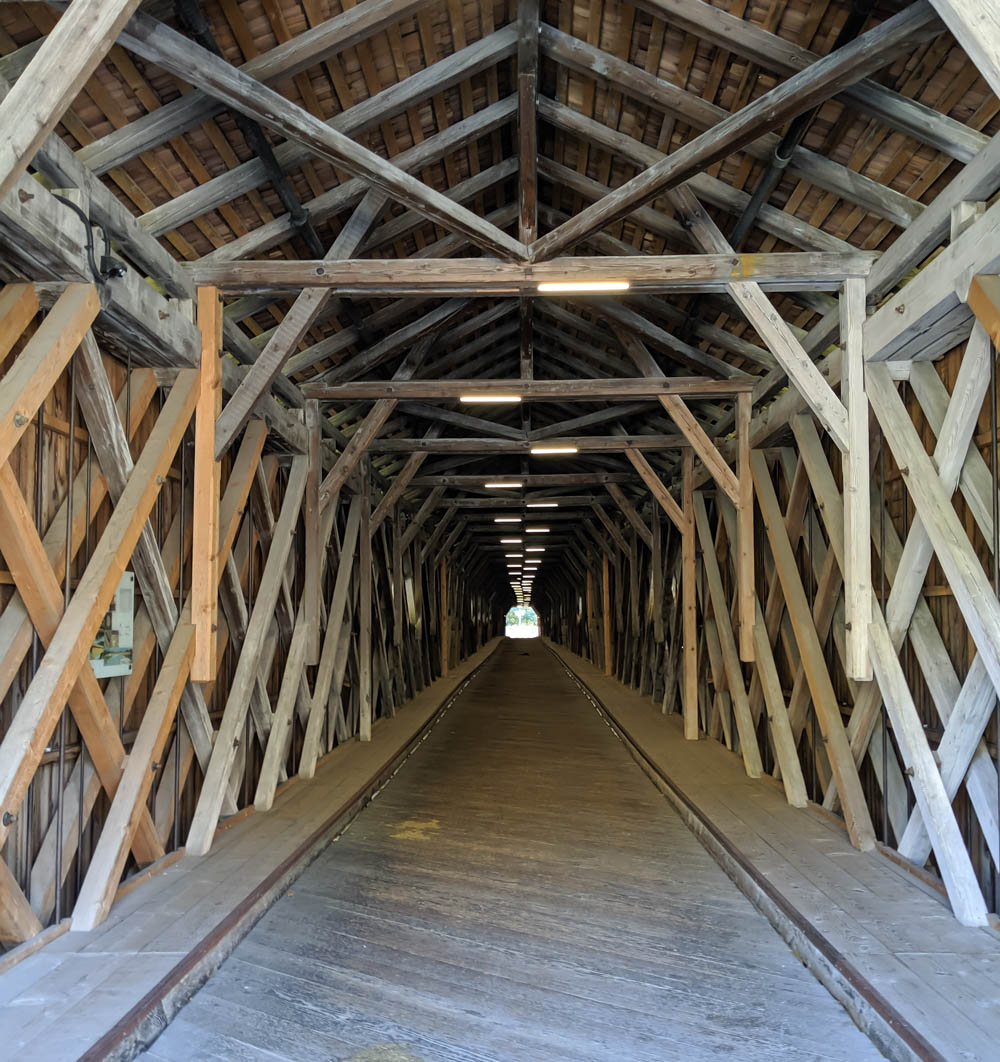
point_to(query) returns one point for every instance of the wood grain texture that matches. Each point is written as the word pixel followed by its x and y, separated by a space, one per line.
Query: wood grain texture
pixel 514 893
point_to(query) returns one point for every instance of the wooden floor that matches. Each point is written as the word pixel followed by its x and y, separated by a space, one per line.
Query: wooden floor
pixel 63 999
pixel 940 979
pixel 519 890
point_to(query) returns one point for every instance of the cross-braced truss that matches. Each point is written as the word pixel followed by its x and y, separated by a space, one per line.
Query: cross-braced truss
pixel 323 225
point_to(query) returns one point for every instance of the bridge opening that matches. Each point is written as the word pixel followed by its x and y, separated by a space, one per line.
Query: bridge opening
pixel 521 622
pixel 567 353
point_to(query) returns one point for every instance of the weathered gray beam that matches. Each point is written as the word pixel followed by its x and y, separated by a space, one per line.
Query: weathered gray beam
pixel 161 45
pixel 869 52
pixel 489 276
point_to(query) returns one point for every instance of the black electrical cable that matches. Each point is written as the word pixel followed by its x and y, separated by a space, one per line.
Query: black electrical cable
pixel 110 266
pixel 98 276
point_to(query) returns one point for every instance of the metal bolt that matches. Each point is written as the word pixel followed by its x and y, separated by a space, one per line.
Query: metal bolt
pixel 20 420
pixel 8 818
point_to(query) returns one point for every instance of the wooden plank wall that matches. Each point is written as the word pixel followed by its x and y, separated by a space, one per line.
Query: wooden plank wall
pixel 405 638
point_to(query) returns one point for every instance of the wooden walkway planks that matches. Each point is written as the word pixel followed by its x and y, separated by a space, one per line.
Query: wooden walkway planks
pixel 518 891
pixel 58 1002
pixel 895 930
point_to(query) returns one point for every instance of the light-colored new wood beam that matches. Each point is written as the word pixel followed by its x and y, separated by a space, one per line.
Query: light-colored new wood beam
pixel 24 742
pixel 689 699
pixel 36 368
pixel 207 470
pixel 857 490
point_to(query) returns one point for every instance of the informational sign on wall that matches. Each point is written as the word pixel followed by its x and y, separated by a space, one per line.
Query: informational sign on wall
pixel 111 651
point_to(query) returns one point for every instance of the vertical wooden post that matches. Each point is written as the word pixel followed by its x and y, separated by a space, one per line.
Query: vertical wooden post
pixel 312 589
pixel 690 700
pixel 205 515
pixel 444 626
pixel 398 611
pixel 365 605
pixel 744 529
pixel 857 503
pixel 606 611
pixel 656 526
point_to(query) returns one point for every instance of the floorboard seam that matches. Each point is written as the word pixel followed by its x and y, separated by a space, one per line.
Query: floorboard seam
pixel 888 1030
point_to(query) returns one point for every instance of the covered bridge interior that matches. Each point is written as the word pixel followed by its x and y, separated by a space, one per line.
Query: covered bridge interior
pixel 332 331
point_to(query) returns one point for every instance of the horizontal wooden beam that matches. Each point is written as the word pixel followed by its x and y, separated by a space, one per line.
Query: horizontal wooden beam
pixel 778 271
pixel 561 479
pixel 564 501
pixel 564 390
pixel 607 443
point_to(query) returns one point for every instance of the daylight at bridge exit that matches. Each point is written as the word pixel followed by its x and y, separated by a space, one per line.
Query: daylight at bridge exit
pixel 499 530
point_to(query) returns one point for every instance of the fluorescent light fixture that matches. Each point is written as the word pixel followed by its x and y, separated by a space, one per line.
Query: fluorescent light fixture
pixel 510 541
pixel 534 549
pixel 556 286
pixel 536 530
pixel 501 486
pixel 541 451
pixel 542 505
pixel 485 399
pixel 517 556
pixel 506 519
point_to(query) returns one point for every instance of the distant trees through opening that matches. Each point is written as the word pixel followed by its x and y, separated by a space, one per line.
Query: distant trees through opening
pixel 522 622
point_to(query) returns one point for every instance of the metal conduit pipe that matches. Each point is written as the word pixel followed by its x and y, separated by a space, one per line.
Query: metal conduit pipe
pixel 857 17
pixel 782 154
pixel 192 18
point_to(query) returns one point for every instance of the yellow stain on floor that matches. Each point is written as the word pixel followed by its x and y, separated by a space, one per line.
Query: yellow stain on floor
pixel 416 829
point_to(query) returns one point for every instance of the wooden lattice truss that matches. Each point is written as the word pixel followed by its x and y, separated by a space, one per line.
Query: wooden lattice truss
pixel 311 396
